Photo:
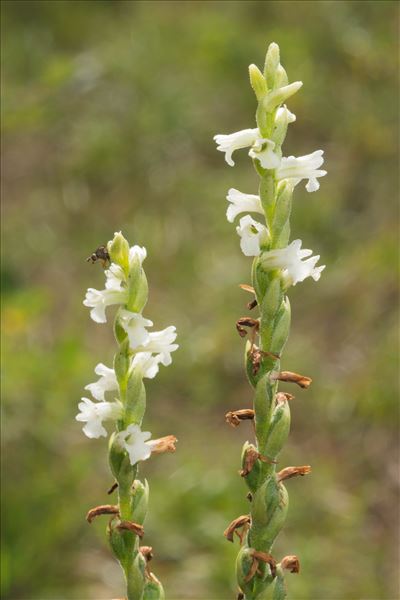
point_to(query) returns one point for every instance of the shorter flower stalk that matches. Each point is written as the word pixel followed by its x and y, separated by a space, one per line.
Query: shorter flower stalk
pixel 139 356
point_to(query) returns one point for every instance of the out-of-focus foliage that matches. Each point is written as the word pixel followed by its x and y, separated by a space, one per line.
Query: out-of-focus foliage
pixel 109 109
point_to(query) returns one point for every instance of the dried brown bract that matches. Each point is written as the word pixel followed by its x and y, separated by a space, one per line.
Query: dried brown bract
pixel 290 472
pixel 234 417
pixel 241 522
pixel 104 509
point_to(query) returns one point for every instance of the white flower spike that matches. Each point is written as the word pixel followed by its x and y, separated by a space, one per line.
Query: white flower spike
pixel 253 235
pixel 240 203
pixel 303 167
pixel 133 440
pixel 291 261
pixel 94 413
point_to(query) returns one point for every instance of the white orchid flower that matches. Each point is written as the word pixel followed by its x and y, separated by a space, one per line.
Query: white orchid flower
pixel 94 413
pixel 291 261
pixel 252 236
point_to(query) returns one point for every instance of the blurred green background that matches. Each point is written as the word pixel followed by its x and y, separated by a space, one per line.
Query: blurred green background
pixel 108 111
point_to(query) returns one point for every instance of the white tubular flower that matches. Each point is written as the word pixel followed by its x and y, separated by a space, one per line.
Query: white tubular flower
pixel 290 260
pixel 234 141
pixel 98 300
pixel 252 235
pixel 240 203
pixel 106 383
pixel 161 344
pixel 133 440
pixel 303 167
pixel 94 413
pixel 115 276
pixel 267 157
pixel 135 326
pixel 147 363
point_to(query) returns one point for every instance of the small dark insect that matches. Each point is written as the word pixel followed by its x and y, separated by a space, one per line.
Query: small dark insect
pixel 100 254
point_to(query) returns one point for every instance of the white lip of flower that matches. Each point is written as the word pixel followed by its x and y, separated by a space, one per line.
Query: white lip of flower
pixel 252 235
pixel 303 167
pixel 115 276
pixel 106 383
pixel 98 300
pixel 147 363
pixel 94 413
pixel 240 202
pixel 290 260
pixel 135 326
pixel 135 442
pixel 234 141
pixel 161 344
pixel 267 157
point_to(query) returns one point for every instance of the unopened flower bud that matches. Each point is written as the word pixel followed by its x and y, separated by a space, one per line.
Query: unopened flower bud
pixel 271 64
pixel 280 95
pixel 258 82
pixel 118 249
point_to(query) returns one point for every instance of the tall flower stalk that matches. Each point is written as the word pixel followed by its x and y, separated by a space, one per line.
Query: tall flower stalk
pixel 140 353
pixel 277 265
